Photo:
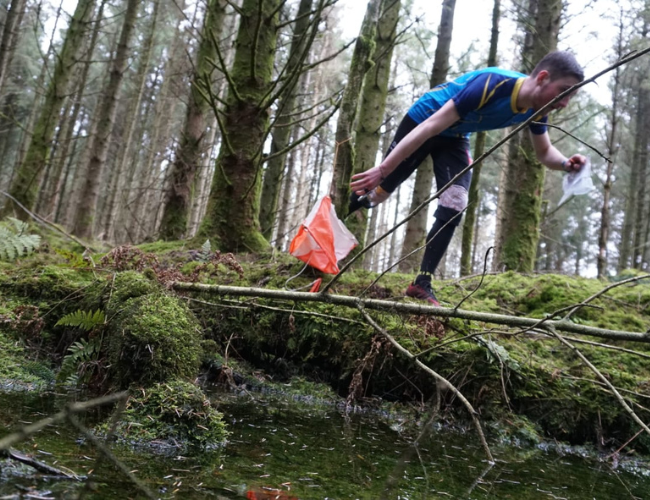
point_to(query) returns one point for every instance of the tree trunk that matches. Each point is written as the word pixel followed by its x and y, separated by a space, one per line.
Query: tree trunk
pixel 119 179
pixel 640 160
pixel 373 104
pixel 300 45
pixel 232 218
pixel 344 160
pixel 9 35
pixel 416 228
pixel 177 204
pixel 474 198
pixel 370 258
pixel 612 150
pixel 25 184
pixel 59 163
pixel 525 175
pixel 87 207
pixel 287 205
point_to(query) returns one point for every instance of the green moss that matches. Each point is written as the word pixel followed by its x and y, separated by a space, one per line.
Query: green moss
pixel 173 411
pixel 47 283
pixel 153 338
pixel 18 373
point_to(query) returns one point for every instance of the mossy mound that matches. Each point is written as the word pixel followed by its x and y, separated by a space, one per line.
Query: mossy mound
pixel 176 412
pixel 153 338
pixel 19 373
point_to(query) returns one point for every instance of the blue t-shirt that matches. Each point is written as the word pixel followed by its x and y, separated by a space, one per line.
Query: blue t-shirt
pixel 485 100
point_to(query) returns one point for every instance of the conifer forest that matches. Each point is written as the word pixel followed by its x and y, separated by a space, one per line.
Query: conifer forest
pixel 142 120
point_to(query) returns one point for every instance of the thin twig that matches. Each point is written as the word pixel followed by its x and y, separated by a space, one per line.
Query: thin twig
pixel 604 379
pixel 485 260
pixel 439 378
pixel 109 455
pixel 23 433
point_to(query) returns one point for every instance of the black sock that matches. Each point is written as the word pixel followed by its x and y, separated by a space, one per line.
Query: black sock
pixel 423 278
pixel 438 240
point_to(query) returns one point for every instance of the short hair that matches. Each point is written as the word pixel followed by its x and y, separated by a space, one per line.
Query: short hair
pixel 560 64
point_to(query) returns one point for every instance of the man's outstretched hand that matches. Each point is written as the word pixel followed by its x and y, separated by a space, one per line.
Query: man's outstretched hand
pixel 364 182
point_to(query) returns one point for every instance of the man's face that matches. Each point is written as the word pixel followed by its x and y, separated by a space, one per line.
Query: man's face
pixel 548 89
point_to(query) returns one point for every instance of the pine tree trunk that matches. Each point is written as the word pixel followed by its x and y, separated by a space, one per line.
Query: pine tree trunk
pixel 641 161
pixel 416 227
pixel 300 45
pixel 86 210
pixel 9 35
pixel 27 179
pixel 525 175
pixel 373 104
pixel 120 176
pixel 177 204
pixel 612 150
pixel 287 205
pixel 58 179
pixel 474 198
pixel 164 106
pixel 199 191
pixel 344 161
pixel 232 218
pixel 370 258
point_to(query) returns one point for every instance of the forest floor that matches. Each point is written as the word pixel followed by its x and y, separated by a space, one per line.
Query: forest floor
pixel 114 321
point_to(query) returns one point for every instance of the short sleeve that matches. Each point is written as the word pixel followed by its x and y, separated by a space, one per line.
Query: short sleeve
pixel 470 97
pixel 540 127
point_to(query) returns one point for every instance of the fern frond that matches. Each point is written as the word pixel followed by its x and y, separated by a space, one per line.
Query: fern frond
pixel 14 242
pixel 79 353
pixel 86 320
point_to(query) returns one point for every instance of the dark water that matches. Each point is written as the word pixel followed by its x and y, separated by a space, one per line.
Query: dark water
pixel 289 450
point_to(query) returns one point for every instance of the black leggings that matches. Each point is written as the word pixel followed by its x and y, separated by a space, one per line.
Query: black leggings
pixel 450 155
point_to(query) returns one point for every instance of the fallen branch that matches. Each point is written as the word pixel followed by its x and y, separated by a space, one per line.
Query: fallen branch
pixel 23 433
pixel 412 308
pixel 439 378
pixel 38 465
pixel 601 377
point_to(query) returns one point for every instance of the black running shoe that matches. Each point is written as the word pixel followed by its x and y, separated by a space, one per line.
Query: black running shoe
pixel 357 202
pixel 422 291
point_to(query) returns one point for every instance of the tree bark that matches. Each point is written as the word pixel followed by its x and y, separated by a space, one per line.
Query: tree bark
pixel 232 217
pixel 474 197
pixel 177 202
pixel 416 228
pixel 86 210
pixel 26 182
pixel 612 149
pixel 344 160
pixel 300 44
pixel 118 180
pixel 525 175
pixel 9 35
pixel 373 104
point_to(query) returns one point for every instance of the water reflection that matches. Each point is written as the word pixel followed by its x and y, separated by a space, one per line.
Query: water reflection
pixel 292 450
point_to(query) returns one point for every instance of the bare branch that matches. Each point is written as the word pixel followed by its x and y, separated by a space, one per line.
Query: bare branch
pixel 602 378
pixel 439 378
pixel 414 308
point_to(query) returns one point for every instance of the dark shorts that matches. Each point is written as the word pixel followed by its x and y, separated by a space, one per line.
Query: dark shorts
pixel 450 156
